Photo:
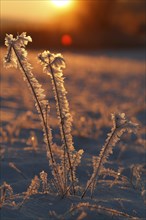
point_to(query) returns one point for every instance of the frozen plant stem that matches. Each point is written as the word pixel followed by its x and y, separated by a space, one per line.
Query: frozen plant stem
pixel 93 178
pixel 41 113
pixel 66 149
pixel 17 46
pixel 52 66
pixel 98 208
pixel 120 125
pixel 39 106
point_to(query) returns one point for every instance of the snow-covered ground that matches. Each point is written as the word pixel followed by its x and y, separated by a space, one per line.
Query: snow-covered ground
pixel 98 84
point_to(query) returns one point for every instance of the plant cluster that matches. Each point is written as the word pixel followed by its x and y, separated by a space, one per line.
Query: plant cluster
pixel 63 168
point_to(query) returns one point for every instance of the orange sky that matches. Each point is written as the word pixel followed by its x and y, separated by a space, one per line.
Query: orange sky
pixel 40 10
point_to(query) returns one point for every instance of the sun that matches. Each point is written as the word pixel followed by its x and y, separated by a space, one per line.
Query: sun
pixel 61 3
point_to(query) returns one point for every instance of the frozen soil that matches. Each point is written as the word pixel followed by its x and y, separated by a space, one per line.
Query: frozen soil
pixel 98 84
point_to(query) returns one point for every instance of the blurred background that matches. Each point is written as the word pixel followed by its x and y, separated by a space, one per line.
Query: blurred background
pixel 77 24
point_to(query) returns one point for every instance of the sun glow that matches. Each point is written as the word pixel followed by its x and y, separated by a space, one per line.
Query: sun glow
pixel 61 3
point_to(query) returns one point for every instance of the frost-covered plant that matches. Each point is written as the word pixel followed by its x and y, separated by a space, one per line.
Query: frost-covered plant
pixel 12 130
pixel 64 172
pixel 120 125
pixel 44 181
pixel 98 208
pixel 81 209
pixel 34 186
pixel 53 65
pixel 32 189
pixel 63 168
pixel 13 166
pixel 6 193
pixel 17 56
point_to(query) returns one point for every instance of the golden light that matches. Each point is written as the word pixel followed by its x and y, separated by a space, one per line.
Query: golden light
pixel 61 3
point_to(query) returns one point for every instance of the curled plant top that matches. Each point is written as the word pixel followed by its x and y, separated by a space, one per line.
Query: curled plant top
pixel 120 121
pixel 48 59
pixel 19 43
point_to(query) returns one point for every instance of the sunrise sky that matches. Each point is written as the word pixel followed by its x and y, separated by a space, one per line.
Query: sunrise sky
pixel 35 10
